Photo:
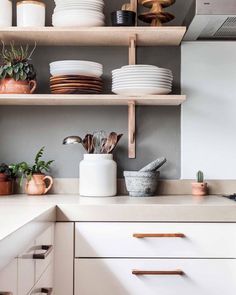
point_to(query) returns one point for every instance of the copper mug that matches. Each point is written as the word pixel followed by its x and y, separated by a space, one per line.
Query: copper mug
pixel 11 86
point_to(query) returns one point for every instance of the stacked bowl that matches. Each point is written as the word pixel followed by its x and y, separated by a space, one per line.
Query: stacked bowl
pixel 78 13
pixel 141 80
pixel 76 77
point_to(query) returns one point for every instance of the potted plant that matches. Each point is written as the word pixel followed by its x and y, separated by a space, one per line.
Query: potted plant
pixel 17 74
pixel 199 188
pixel 6 180
pixel 34 174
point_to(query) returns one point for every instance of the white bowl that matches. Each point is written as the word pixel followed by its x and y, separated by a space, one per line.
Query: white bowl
pixel 76 72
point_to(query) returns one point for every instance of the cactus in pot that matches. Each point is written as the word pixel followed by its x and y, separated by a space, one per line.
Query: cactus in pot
pixel 199 188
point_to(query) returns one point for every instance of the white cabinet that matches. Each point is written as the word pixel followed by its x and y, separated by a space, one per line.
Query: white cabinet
pixel 128 258
pixel 114 276
pixel 44 246
pixel 26 271
pixel 30 267
pixel 8 279
pixel 196 240
pixel 45 284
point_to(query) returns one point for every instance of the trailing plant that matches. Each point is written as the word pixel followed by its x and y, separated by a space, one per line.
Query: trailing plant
pixel 23 169
pixel 200 177
pixel 16 63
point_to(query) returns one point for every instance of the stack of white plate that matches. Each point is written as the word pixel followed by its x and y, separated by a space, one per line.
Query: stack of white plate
pixel 78 13
pixel 141 80
pixel 76 67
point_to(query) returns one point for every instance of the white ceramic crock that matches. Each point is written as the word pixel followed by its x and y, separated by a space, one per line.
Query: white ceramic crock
pixel 31 14
pixel 98 174
pixel 5 13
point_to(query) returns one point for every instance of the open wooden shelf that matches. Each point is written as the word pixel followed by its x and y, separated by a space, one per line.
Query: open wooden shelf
pixel 87 100
pixel 94 36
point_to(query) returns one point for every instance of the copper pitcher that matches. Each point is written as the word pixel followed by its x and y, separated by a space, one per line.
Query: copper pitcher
pixel 11 86
pixel 37 184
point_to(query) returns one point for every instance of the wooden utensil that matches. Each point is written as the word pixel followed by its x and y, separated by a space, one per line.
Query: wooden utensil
pixel 88 143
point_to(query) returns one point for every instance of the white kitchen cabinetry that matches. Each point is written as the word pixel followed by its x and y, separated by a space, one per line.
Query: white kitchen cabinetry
pixel 114 276
pixel 64 258
pixel 8 279
pixel 23 274
pixel 128 258
pixel 202 240
pixel 45 284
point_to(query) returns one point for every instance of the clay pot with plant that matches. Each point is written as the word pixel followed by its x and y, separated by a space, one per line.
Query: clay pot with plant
pixel 17 74
pixel 34 175
pixel 199 188
pixel 6 180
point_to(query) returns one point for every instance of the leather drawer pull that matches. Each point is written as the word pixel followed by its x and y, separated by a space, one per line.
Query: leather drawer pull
pixel 47 249
pixel 47 291
pixel 174 235
pixel 177 272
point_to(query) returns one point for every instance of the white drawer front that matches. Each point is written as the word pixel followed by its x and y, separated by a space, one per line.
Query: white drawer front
pixel 45 284
pixel 204 240
pixel 8 279
pixel 26 271
pixel 114 276
pixel 45 239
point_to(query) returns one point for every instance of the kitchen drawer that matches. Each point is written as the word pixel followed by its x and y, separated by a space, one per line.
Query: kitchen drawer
pixel 162 276
pixel 26 271
pixel 44 255
pixel 198 240
pixel 8 279
pixel 45 284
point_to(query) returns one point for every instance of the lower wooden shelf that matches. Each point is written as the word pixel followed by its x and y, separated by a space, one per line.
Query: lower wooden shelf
pixel 86 100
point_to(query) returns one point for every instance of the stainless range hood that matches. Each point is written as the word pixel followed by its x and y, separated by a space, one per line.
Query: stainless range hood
pixel 211 19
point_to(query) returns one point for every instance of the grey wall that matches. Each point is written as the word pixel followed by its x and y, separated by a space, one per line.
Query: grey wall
pixel 208 116
pixel 23 130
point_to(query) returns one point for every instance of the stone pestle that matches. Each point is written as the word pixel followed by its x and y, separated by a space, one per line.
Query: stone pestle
pixel 153 166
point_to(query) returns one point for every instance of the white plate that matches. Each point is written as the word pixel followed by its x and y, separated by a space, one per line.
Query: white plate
pixel 141 85
pixel 74 21
pixel 141 91
pixel 142 79
pixel 143 67
pixel 75 64
pixel 76 72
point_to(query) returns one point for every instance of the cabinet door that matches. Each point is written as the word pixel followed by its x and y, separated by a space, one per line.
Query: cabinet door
pixel 26 271
pixel 8 279
pixel 154 240
pixel 45 284
pixel 45 245
pixel 155 276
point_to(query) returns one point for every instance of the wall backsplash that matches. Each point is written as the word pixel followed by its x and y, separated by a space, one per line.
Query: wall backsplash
pixel 23 130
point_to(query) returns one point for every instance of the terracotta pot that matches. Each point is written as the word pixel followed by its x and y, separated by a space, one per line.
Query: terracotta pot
pixel 199 188
pixel 11 86
pixel 6 188
pixel 3 177
pixel 37 185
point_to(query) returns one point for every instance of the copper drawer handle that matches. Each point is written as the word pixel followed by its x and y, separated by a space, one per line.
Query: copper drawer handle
pixel 177 272
pixel 174 235
pixel 47 249
pixel 47 291
pixel 6 293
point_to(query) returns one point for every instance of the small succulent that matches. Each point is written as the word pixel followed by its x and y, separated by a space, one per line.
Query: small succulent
pixel 200 177
pixel 16 63
pixel 23 169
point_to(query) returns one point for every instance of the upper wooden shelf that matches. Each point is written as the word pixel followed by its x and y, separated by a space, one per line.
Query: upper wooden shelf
pixel 94 36
pixel 86 100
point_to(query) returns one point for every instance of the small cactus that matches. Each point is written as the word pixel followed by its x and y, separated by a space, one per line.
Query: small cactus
pixel 200 177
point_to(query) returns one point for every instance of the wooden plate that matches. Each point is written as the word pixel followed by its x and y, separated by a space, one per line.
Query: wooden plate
pixel 76 86
pixel 79 82
pixel 75 91
pixel 74 77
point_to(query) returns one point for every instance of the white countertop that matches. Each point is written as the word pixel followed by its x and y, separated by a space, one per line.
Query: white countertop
pixel 18 210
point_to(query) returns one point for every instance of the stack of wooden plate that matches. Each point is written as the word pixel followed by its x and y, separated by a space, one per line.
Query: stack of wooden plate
pixel 75 84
